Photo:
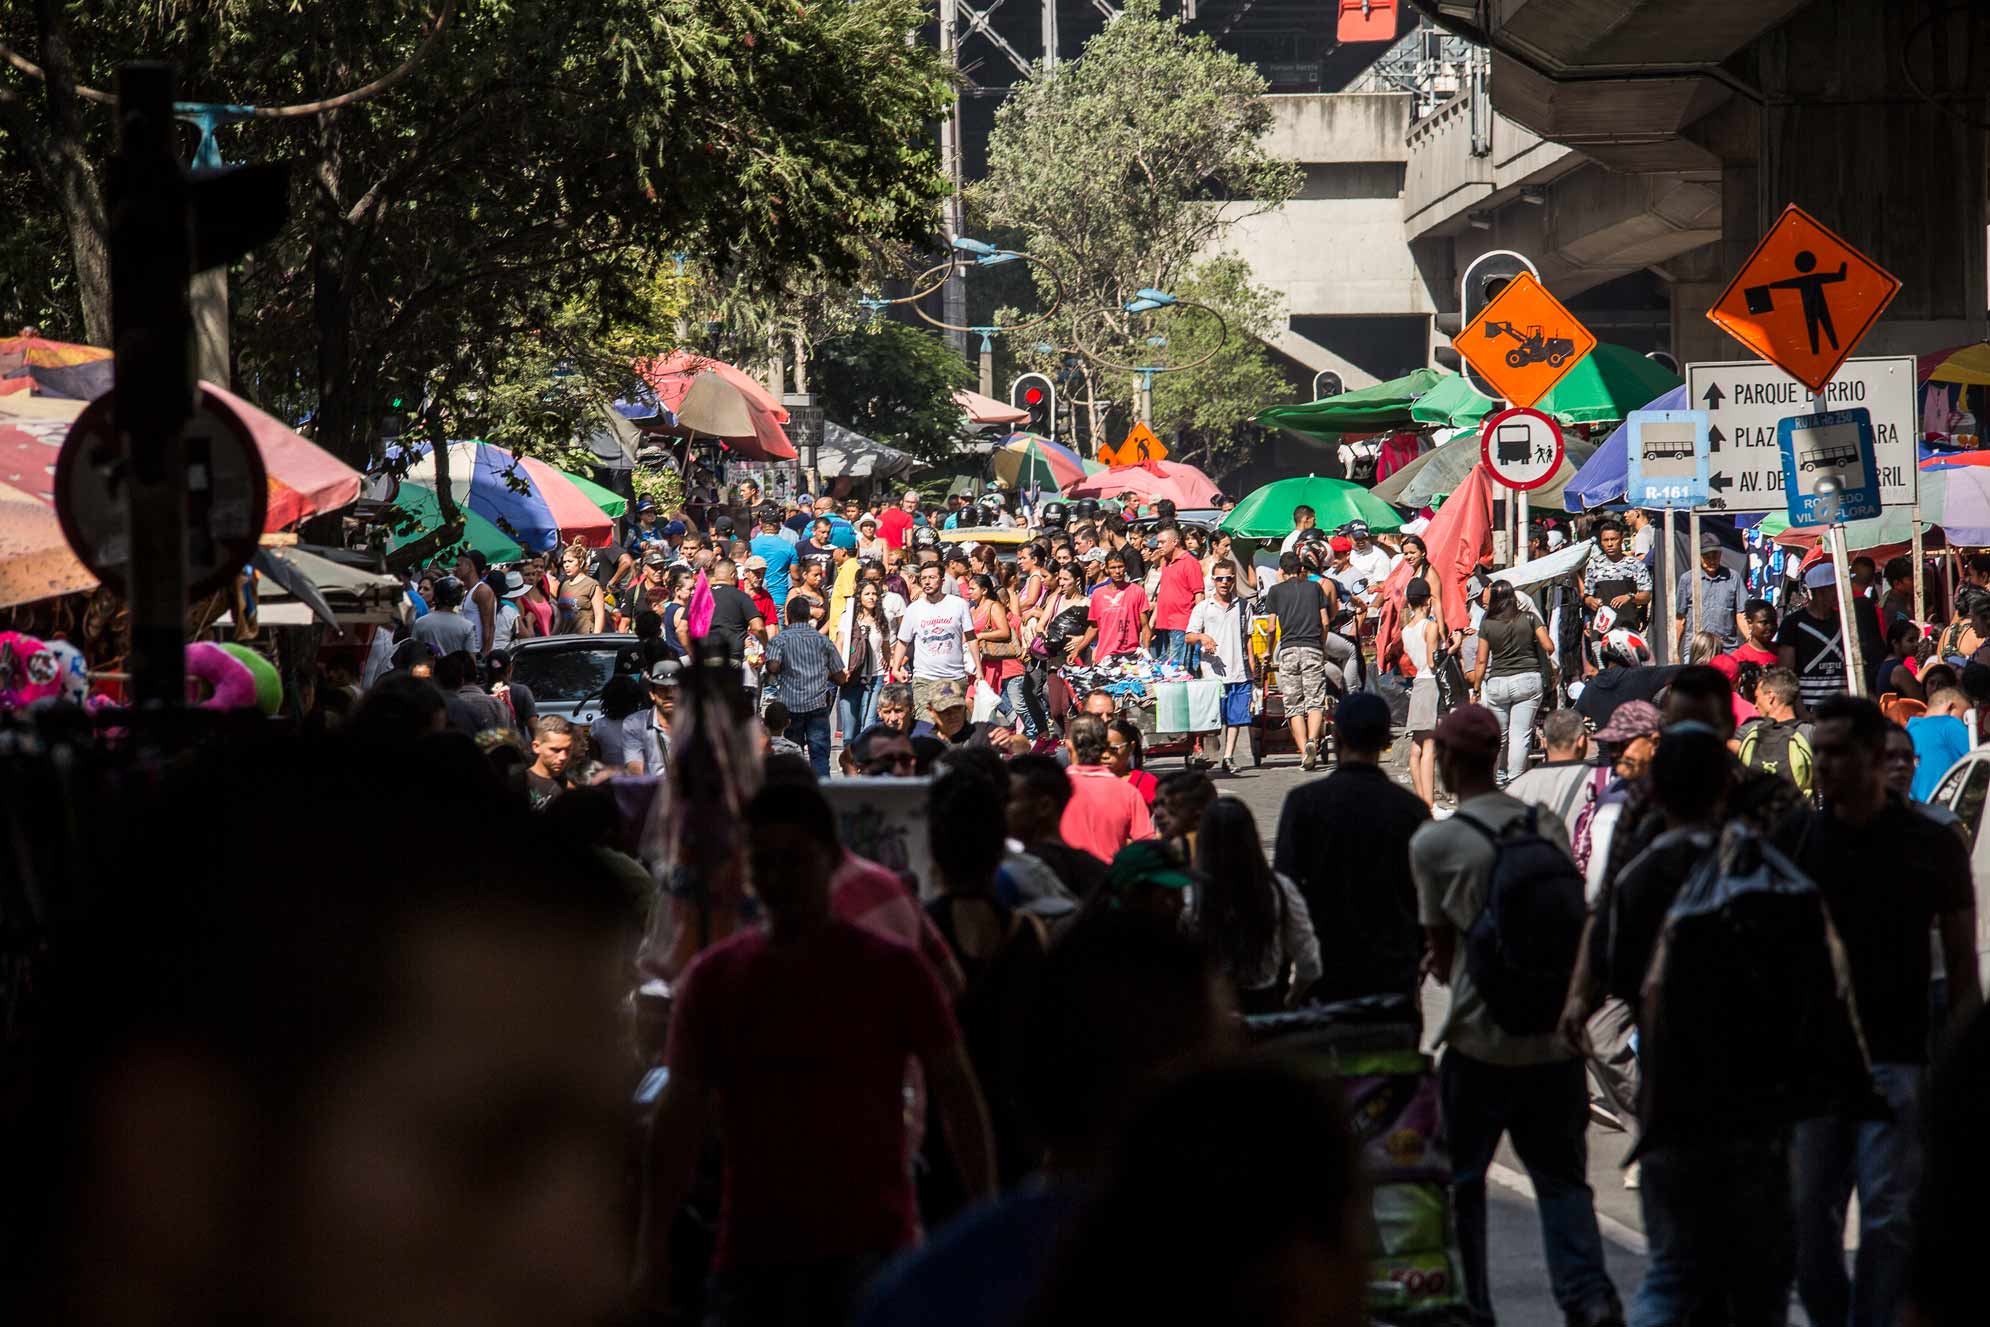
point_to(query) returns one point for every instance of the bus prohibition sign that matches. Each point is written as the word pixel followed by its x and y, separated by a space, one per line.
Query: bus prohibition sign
pixel 1522 448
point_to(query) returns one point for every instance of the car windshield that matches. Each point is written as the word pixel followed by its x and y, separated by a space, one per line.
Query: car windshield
pixel 572 674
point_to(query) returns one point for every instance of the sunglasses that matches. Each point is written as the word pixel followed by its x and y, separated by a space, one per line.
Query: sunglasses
pixel 1226 580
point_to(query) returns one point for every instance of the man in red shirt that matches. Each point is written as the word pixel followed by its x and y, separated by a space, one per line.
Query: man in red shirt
pixel 1118 622
pixel 1176 597
pixel 797 1033
pixel 753 582
pixel 1105 812
pixel 894 523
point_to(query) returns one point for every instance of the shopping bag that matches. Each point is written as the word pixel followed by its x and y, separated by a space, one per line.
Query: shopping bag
pixel 985 701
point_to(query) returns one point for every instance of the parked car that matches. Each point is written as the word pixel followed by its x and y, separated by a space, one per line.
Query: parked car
pixel 1965 790
pixel 567 673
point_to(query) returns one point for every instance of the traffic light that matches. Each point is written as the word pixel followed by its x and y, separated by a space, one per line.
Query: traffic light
pixel 1036 393
pixel 1488 275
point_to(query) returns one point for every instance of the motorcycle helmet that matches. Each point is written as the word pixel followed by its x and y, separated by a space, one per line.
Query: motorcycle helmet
pixel 925 536
pixel 967 518
pixel 1625 646
pixel 1088 509
pixel 1052 515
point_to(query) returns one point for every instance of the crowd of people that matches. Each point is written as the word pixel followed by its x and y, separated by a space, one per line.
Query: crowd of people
pixel 1708 899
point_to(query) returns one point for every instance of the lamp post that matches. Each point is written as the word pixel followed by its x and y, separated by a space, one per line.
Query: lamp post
pixel 980 253
pixel 1148 300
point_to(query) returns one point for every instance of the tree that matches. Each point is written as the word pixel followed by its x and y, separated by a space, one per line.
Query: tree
pixel 1123 169
pixel 896 384
pixel 528 182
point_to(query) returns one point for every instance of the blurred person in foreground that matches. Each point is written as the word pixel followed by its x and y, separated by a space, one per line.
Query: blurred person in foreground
pixel 273 1088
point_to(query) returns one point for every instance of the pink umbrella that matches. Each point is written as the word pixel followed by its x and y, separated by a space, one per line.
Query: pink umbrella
pixel 1183 485
pixel 752 417
pixel 981 409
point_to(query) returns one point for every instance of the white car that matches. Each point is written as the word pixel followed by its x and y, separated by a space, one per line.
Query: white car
pixel 1965 790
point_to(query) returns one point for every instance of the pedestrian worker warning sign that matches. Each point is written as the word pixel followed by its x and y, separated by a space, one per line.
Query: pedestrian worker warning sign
pixel 1524 341
pixel 1140 445
pixel 1804 298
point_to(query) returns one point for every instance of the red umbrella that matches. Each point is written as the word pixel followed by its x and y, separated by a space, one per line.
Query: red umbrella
pixel 752 416
pixel 1183 485
pixel 1456 537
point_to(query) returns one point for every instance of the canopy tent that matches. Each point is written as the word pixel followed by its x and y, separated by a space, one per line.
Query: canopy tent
pixel 519 493
pixel 56 368
pixel 1152 481
pixel 1386 405
pixel 1957 502
pixel 479 533
pixel 1266 513
pixel 848 454
pixel 613 440
pixel 1602 478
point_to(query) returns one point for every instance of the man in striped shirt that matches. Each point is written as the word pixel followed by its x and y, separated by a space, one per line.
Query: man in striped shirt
pixel 803 668
pixel 1811 642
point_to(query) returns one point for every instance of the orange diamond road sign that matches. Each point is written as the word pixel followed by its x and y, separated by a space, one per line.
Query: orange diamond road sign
pixel 1804 298
pixel 1140 445
pixel 1524 341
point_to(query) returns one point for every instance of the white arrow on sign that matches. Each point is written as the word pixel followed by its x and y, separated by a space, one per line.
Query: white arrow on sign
pixel 1746 399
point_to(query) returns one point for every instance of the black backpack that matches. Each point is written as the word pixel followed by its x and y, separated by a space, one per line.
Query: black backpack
pixel 1520 950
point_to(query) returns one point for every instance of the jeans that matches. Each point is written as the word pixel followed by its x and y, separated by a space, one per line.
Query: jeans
pixel 1514 700
pixel 1883 1159
pixel 812 731
pixel 1020 701
pixel 1722 1247
pixel 857 706
pixel 1544 1109
pixel 1169 643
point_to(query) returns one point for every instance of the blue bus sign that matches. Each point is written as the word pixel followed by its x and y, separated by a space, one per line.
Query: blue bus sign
pixel 1832 445
pixel 1665 457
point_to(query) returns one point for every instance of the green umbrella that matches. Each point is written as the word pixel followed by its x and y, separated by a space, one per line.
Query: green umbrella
pixel 1386 405
pixel 1267 512
pixel 420 502
pixel 1452 403
pixel 610 502
pixel 1609 383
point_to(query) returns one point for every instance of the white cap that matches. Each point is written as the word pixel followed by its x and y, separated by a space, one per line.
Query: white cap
pixel 1819 576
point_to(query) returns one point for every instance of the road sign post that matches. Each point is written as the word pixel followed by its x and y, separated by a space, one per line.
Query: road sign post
pixel 1747 400
pixel 1827 496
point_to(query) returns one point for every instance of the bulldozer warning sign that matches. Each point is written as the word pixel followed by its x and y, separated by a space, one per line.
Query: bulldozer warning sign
pixel 1524 341
pixel 1804 298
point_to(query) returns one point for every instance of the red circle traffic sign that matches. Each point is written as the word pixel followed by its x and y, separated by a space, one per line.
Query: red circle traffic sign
pixel 1522 448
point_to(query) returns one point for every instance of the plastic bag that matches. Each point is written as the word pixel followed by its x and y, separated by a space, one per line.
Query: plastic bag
pixel 984 702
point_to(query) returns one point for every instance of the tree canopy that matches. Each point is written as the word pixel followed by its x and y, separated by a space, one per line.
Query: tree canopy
pixel 519 199
pixel 895 384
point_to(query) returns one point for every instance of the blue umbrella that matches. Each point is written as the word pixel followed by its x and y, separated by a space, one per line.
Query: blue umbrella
pixel 1604 475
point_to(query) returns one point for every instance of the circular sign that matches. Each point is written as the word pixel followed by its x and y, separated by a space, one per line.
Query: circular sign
pixel 226 487
pixel 1522 448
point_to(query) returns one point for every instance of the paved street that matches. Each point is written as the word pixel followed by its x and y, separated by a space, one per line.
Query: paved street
pixel 1520 1287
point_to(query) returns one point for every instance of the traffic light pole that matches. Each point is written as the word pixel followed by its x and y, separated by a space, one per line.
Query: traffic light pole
pixel 151 256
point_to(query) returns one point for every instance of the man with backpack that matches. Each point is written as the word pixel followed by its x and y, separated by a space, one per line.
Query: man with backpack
pixel 1501 903
pixel 1775 743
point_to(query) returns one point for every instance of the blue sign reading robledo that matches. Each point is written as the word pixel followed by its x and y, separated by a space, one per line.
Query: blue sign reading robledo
pixel 1831 445
pixel 1666 458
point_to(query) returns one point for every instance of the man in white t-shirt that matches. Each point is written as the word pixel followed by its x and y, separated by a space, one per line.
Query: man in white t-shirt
pixel 935 640
pixel 1370 560
pixel 1303 519
pixel 1643 533
pixel 1217 625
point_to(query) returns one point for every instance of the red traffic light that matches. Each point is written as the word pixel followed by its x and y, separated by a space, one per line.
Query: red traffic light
pixel 1032 396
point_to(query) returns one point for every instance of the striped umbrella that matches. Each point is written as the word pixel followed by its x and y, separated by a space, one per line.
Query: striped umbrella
pixel 420 502
pixel 610 502
pixel 528 498
pixel 1026 461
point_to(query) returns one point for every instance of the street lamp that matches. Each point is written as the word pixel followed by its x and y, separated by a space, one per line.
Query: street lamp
pixel 1147 300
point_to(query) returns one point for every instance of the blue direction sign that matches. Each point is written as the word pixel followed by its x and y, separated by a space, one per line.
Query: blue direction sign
pixel 1666 458
pixel 1833 444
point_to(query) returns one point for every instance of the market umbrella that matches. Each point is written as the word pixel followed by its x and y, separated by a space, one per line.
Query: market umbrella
pixel 1602 478
pixel 1386 405
pixel 1445 467
pixel 1266 513
pixel 610 502
pixel 981 409
pixel 1606 385
pixel 1024 461
pixel 1968 365
pixel 741 411
pixel 419 501
pixel 848 454
pixel 1452 403
pixel 35 561
pixel 523 494
pixel 56 368
pixel 1183 485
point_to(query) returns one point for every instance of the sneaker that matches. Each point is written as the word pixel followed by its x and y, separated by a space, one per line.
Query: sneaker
pixel 1310 760
pixel 1229 765
pixel 1632 1179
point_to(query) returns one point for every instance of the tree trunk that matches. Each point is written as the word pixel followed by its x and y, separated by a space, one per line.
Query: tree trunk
pixel 70 173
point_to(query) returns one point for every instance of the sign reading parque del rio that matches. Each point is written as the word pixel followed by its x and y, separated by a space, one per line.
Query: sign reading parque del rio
pixel 1747 400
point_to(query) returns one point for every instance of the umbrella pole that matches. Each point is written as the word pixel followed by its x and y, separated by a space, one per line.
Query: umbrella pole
pixel 1917 552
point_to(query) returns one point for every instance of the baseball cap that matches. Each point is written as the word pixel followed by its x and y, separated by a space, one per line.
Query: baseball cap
pixel 1362 721
pixel 1357 529
pixel 755 563
pixel 663 673
pixel 1096 555
pixel 1147 862
pixel 643 505
pixel 1709 542
pixel 1629 721
pixel 657 559
pixel 1340 543
pixel 674 527
pixel 1469 728
pixel 1820 576
pixel 514 585
pixel 949 695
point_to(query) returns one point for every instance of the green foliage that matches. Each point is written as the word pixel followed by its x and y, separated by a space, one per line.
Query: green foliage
pixel 1124 169
pixel 895 384
pixel 506 217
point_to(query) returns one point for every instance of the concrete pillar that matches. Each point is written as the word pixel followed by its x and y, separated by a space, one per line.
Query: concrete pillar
pixel 1845 136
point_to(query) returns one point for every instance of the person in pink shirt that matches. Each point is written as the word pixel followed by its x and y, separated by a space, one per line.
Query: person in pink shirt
pixel 1119 622
pixel 897 521
pixel 1175 597
pixel 1105 812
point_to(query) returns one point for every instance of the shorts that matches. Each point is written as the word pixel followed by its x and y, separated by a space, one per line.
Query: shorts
pixel 1302 678
pixel 1236 704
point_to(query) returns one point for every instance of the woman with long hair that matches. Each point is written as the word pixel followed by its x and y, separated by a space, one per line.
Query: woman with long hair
pixel 1002 670
pixel 1422 644
pixel 1067 589
pixel 1253 919
pixel 538 601
pixel 863 637
pixel 1514 670
pixel 1125 756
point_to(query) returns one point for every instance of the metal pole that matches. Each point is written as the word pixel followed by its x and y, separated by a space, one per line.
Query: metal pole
pixel 1050 34
pixel 987 365
pixel 1695 622
pixel 1520 525
pixel 954 296
pixel 151 254
pixel 1855 664
pixel 1918 552
pixel 1671 564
